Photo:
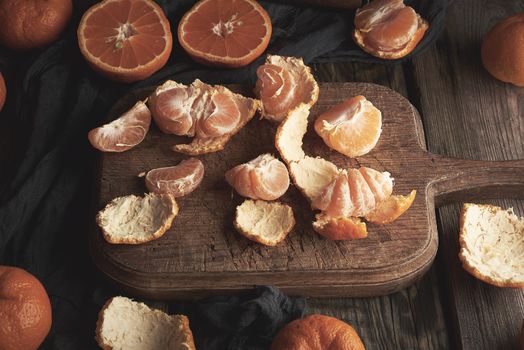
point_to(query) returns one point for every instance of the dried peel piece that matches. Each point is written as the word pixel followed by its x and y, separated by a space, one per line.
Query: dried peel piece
pixel 134 220
pixel 126 324
pixel 267 223
pixel 340 228
pixel 492 244
pixel 391 209
pixel 283 84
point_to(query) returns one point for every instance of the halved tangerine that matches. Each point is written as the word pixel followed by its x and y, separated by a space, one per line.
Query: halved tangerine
pixel 264 177
pixel 123 133
pixel 391 208
pixel 225 33
pixel 178 180
pixel 352 127
pixel 125 40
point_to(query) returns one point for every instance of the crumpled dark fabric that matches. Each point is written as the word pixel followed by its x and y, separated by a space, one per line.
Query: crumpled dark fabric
pixel 45 207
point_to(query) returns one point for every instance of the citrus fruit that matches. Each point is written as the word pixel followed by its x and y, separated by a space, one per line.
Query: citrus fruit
pixel 315 332
pixel 123 133
pixel 388 28
pixel 28 24
pixel 25 310
pixel 340 228
pixel 264 177
pixel 352 127
pixel 389 210
pixel 210 114
pixel 284 83
pixel 178 180
pixel 125 40
pixel 502 50
pixel 225 33
pixel 354 192
pixel 3 91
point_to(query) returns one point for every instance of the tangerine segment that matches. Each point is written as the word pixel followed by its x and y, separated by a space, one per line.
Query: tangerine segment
pixel 352 127
pixel 264 177
pixel 340 228
pixel 391 208
pixel 123 133
pixel 126 40
pixel 178 180
pixel 283 84
pixel 225 33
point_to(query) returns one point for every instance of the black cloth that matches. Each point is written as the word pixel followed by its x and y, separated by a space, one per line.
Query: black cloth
pixel 45 210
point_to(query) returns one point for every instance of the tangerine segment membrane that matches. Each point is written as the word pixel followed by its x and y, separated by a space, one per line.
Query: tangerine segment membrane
pixel 214 28
pixel 389 24
pixel 178 180
pixel 125 34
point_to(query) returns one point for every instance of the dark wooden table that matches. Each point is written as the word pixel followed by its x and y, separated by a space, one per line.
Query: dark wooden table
pixel 466 113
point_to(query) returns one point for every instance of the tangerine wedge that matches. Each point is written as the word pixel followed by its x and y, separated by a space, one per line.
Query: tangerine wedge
pixel 352 127
pixel 225 33
pixel 264 177
pixel 178 180
pixel 125 40
pixel 123 133
pixel 340 228
pixel 391 209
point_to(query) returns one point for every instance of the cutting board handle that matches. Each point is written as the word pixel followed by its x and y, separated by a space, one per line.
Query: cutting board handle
pixel 460 180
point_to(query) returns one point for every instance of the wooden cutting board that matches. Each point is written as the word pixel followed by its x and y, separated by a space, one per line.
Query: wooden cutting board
pixel 202 254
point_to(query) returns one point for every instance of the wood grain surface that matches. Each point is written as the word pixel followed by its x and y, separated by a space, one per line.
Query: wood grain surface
pixel 469 114
pixel 202 253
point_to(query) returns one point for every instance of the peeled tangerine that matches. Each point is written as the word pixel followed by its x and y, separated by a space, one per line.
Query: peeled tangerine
pixel 352 127
pixel 210 114
pixel 354 192
pixel 388 28
pixel 264 177
pixel 123 133
pixel 283 84
pixel 178 180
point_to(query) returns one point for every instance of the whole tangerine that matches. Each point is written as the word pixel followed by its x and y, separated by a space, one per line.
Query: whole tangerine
pixel 25 310
pixel 502 50
pixel 3 91
pixel 28 24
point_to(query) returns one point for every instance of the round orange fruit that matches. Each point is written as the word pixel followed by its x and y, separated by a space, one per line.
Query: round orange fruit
pixel 25 310
pixel 225 33
pixel 28 24
pixel 3 91
pixel 502 50
pixel 125 40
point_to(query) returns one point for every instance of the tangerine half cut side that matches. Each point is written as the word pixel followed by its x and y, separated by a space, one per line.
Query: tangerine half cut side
pixel 125 40
pixel 225 33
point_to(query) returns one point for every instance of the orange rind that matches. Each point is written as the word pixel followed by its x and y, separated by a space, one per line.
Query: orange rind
pixel 340 228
